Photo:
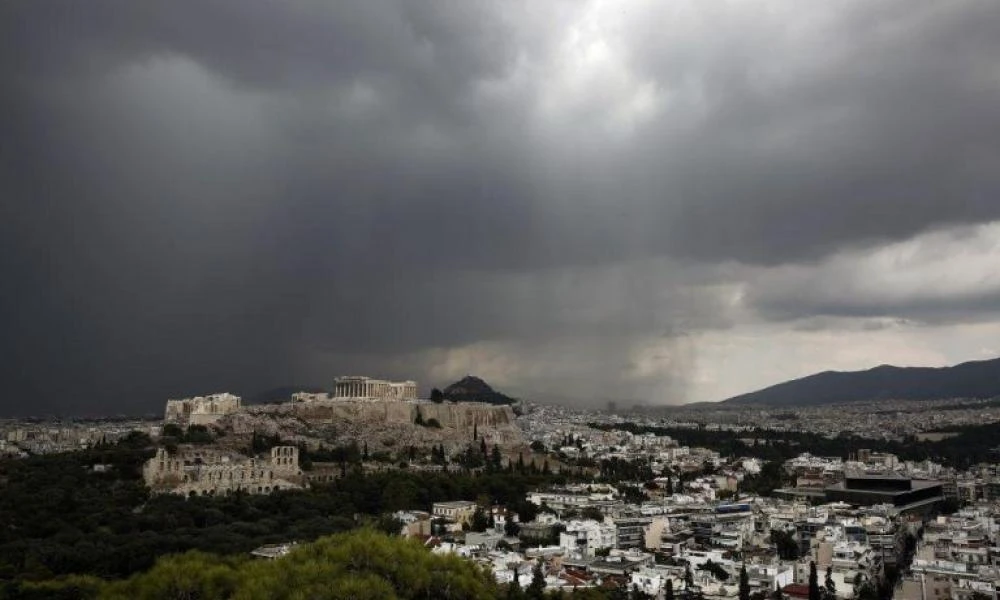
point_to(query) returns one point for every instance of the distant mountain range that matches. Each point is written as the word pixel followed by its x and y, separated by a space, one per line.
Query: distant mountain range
pixel 977 379
pixel 474 389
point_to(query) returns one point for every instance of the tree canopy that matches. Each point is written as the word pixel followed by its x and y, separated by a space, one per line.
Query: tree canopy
pixel 363 565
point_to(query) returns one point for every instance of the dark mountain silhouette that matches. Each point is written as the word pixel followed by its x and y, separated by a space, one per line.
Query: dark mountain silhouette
pixel 977 379
pixel 474 389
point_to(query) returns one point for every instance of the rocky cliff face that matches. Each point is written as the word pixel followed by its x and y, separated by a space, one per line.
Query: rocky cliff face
pixel 381 424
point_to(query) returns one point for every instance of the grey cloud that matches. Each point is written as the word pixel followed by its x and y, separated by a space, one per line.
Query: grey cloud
pixel 204 194
pixel 946 276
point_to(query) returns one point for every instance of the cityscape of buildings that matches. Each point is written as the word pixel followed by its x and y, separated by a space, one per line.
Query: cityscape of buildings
pixel 692 519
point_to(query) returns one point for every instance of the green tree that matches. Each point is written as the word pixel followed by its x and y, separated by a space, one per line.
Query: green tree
pixel 668 593
pixel 479 520
pixel 830 589
pixel 514 591
pixel 716 570
pixel 536 589
pixel 398 494
pixel 388 525
pixel 744 583
pixel 496 459
pixel 814 593
pixel 437 397
pixel 510 528
pixel 364 564
pixel 198 434
pixel 784 542
pixel 866 591
pixel 73 587
pixel 173 430
pixel 191 575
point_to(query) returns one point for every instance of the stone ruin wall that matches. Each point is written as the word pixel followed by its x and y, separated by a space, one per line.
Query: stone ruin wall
pixel 210 471
pixel 378 422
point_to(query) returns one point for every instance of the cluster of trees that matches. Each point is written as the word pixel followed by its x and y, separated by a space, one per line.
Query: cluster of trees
pixel 193 434
pixel 785 544
pixel 828 591
pixel 60 516
pixel 363 564
pixel 617 469
pixel 479 456
pixel 771 477
pixel 716 570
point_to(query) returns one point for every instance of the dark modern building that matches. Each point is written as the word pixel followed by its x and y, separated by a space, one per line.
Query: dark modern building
pixel 904 494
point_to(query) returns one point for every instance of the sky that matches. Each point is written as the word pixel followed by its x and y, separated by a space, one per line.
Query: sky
pixel 649 201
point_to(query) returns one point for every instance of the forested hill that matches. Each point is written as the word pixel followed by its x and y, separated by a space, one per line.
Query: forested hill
pixel 978 379
pixel 474 389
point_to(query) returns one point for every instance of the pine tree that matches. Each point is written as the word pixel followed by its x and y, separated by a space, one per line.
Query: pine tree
pixel 479 520
pixel 831 588
pixel 475 431
pixel 669 592
pixel 813 582
pixel 744 583
pixel 536 589
pixel 514 591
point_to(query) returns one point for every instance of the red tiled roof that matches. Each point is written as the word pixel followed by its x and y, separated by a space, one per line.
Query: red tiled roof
pixel 796 590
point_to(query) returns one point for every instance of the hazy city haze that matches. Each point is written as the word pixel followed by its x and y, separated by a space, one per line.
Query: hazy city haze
pixel 656 201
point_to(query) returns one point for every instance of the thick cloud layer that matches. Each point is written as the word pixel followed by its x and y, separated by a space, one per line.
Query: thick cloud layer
pixel 577 199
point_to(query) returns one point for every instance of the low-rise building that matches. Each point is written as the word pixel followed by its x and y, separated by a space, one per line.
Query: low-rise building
pixel 456 511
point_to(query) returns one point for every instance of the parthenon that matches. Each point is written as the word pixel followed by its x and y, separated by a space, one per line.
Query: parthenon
pixel 355 386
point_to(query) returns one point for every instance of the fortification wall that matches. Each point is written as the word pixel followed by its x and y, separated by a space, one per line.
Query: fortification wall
pixel 383 423
pixel 460 415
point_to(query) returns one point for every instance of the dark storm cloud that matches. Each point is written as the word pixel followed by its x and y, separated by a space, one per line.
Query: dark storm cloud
pixel 202 195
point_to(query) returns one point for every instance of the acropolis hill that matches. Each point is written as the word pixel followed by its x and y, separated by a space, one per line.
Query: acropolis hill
pixel 380 423
pixel 379 413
